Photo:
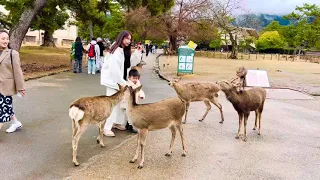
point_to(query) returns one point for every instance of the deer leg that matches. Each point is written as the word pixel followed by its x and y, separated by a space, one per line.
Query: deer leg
pixel 216 103
pixel 1 124
pixel 143 139
pixel 240 123
pixel 187 109
pixel 100 136
pixel 74 128
pixel 259 133
pixel 207 103
pixel 75 142
pixel 137 149
pixel 180 129
pixel 173 131
pixel 246 115
pixel 256 120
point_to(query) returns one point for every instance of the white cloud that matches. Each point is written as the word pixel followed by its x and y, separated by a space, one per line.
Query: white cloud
pixel 275 6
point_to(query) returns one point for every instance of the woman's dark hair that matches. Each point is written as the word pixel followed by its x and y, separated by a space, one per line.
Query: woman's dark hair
pixel 119 40
pixel 78 39
pixel 4 31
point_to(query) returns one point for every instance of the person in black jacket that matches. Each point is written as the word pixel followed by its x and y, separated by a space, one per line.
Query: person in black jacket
pixel 99 62
pixel 78 56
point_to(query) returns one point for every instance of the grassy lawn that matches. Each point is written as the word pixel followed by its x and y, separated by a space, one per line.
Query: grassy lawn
pixel 40 61
pixel 299 75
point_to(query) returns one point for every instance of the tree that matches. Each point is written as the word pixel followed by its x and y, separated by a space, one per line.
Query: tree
pixel 112 26
pixel 270 40
pixel 204 32
pixel 50 19
pixel 178 22
pixel 89 12
pixel 223 13
pixel 305 27
pixel 22 12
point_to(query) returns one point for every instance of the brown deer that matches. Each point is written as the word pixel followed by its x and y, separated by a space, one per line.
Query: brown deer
pixel 167 113
pixel 138 67
pixel 244 102
pixel 91 110
pixel 192 92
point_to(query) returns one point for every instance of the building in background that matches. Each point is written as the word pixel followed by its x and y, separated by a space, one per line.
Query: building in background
pixel 62 38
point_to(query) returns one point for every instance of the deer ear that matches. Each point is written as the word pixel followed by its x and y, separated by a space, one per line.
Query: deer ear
pixel 138 88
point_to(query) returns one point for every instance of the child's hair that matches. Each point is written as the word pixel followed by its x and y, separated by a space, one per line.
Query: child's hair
pixel 134 73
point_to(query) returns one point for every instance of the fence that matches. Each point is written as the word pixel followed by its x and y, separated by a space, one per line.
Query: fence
pixel 260 56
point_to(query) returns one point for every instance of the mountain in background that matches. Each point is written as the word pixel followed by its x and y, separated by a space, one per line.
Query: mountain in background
pixel 260 20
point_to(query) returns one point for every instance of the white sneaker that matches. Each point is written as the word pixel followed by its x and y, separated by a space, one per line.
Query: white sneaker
pixel 109 134
pixel 89 72
pixel 93 73
pixel 14 127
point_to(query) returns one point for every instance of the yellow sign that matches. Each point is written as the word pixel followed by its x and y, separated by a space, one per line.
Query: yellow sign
pixel 147 42
pixel 192 45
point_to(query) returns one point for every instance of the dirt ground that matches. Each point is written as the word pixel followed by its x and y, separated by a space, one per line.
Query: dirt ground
pixel 41 61
pixel 298 75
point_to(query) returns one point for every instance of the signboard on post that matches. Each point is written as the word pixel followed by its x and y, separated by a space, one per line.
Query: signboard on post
pixel 192 45
pixel 257 78
pixel 185 60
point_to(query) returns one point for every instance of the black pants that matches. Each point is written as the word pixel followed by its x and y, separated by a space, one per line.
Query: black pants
pixel 77 64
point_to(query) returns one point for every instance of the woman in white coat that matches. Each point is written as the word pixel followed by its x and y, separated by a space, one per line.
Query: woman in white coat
pixel 114 72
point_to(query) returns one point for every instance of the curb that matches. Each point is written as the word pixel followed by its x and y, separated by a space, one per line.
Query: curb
pixel 157 69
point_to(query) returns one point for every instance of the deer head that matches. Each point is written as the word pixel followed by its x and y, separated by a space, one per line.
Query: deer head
pixel 174 80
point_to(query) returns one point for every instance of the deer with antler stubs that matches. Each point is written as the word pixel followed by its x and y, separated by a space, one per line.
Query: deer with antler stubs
pixel 192 92
pixel 244 102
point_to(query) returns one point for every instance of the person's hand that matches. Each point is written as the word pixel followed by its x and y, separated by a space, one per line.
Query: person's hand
pixel 22 92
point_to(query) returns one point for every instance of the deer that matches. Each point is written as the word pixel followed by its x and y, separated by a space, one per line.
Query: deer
pixel 244 102
pixel 192 92
pixel 91 110
pixel 138 67
pixel 167 113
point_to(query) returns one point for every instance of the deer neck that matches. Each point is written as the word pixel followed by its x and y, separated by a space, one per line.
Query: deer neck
pixel 117 97
pixel 132 100
pixel 233 97
pixel 178 87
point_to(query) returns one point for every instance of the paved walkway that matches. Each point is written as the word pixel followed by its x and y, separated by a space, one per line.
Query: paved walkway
pixel 287 149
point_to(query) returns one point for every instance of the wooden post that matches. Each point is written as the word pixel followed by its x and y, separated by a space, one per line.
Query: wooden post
pixel 271 56
pixel 257 55
pixel 264 55
pixel 278 57
pixel 249 56
pixel 227 55
pixel 286 57
pixel 207 53
pixel 214 54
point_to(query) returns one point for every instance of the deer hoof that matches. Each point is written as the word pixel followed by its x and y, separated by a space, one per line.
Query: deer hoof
pixel 254 129
pixel 183 122
pixel 98 141
pixel 183 154
pixel 259 134
pixel 168 154
pixel 237 137
pixel 140 167
pixel 245 139
pixel 132 161
pixel 102 145
pixel 201 120
pixel 221 122
pixel 76 164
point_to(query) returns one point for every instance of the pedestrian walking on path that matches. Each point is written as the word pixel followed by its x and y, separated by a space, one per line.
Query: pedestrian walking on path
pixel 78 53
pixel 93 54
pixel 11 82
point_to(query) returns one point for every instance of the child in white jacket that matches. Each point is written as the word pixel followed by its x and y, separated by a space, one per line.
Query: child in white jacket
pixel 134 82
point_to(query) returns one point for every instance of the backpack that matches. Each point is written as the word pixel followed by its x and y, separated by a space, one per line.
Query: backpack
pixel 91 52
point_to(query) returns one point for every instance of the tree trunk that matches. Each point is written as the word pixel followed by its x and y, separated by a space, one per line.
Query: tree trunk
pixel 234 51
pixel 20 29
pixel 48 39
pixel 90 29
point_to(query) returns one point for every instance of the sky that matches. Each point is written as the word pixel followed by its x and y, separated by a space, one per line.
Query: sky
pixel 275 6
